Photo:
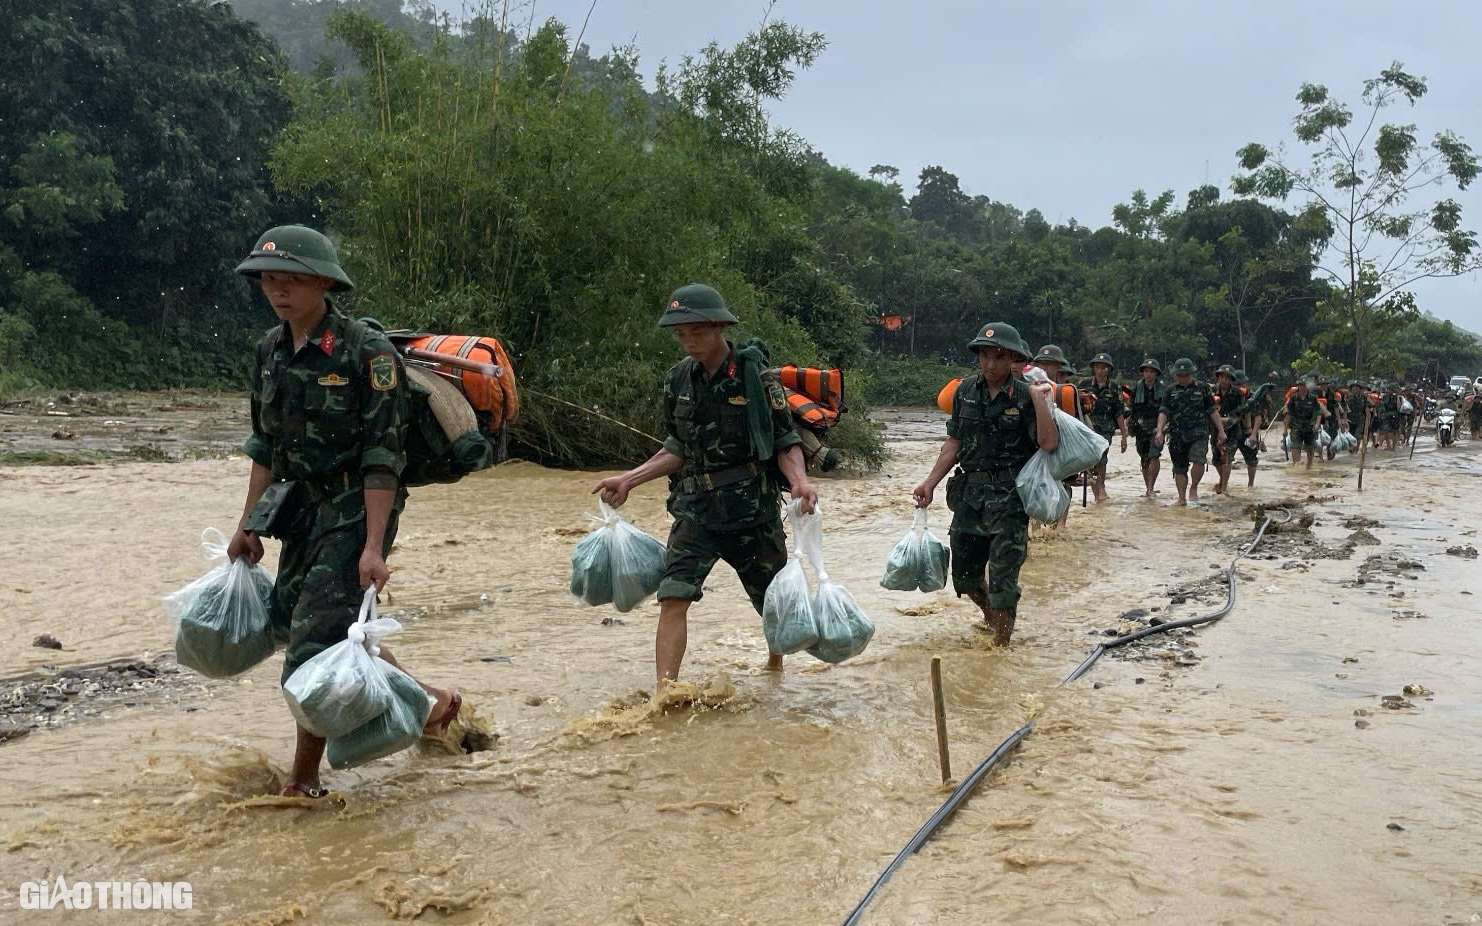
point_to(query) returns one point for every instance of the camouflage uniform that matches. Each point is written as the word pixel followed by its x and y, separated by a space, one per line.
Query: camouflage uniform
pixel 1106 408
pixel 1389 412
pixel 724 500
pixel 1303 413
pixel 1146 403
pixel 332 419
pixel 1187 408
pixel 989 527
pixel 1236 416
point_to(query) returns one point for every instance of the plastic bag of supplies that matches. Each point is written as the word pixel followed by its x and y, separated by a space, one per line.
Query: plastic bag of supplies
pixel 919 560
pixel 221 619
pixel 788 621
pixel 843 629
pixel 1080 448
pixel 397 728
pixel 616 564
pixel 1324 439
pixel 344 686
pixel 1041 491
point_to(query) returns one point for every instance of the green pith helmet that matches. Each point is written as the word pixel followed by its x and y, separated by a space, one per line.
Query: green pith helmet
pixel 1183 365
pixel 1051 354
pixel 1226 369
pixel 999 334
pixel 295 249
pixel 1151 362
pixel 1070 370
pixel 695 303
pixel 1240 377
pixel 1105 358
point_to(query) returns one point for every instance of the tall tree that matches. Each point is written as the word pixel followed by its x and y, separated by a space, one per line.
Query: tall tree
pixel 1373 189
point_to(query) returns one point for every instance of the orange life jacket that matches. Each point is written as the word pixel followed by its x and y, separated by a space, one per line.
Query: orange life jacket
pixel 826 387
pixel 810 412
pixel 944 398
pixel 1071 400
pixel 495 399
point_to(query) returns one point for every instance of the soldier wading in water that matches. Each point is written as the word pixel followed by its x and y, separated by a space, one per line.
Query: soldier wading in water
pixel 330 410
pixel 1147 399
pixel 730 438
pixel 1185 416
pixel 997 423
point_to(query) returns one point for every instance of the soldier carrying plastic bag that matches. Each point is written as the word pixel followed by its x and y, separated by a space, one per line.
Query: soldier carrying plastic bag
pixel 997 423
pixel 729 452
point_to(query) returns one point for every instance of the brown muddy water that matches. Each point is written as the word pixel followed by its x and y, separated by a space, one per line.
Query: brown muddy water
pixel 1249 772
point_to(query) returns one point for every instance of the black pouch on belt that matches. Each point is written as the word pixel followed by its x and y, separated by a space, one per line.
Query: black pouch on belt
pixel 277 509
pixel 956 483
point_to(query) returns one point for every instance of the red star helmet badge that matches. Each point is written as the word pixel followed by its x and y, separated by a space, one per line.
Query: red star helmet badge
pixel 326 343
pixel 673 305
pixel 987 332
pixel 269 246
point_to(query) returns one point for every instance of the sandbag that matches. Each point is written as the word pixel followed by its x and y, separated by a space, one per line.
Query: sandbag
pixel 344 686
pixel 919 560
pixel 616 564
pixel 788 621
pixel 1040 489
pixel 397 728
pixel 221 619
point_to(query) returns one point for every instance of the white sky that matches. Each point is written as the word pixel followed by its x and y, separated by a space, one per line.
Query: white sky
pixel 1069 105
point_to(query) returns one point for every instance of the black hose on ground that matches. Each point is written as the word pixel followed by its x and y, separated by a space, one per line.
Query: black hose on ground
pixel 1273 516
pixel 1095 654
pixel 940 817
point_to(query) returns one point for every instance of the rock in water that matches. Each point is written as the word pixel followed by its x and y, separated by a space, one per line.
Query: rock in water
pixel 47 641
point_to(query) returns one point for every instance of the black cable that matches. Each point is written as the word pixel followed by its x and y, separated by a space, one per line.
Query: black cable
pixel 940 817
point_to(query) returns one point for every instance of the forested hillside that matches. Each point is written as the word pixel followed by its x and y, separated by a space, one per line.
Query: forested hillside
pixel 480 177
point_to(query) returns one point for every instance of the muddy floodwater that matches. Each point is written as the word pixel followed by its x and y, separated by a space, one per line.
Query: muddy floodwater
pixel 1271 768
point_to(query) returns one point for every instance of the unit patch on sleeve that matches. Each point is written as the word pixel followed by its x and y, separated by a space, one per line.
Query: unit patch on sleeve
pixel 383 372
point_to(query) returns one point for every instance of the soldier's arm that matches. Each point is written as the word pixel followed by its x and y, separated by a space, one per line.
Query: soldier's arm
pixel 784 433
pixel 259 447
pixel 1046 431
pixel 946 459
pixel 668 460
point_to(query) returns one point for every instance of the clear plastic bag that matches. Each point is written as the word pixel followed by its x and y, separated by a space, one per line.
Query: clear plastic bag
pixel 1080 447
pixel 919 560
pixel 788 621
pixel 221 619
pixel 616 564
pixel 843 629
pixel 398 727
pixel 1324 439
pixel 344 686
pixel 1044 498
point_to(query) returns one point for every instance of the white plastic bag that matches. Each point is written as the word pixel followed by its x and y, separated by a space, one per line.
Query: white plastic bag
pixel 788 621
pixel 1044 498
pixel 616 564
pixel 398 727
pixel 1324 439
pixel 346 685
pixel 843 629
pixel 1406 408
pixel 1286 441
pixel 221 619
pixel 1080 447
pixel 919 560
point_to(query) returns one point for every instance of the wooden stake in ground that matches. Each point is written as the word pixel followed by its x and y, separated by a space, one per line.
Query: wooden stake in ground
pixel 1364 442
pixel 939 705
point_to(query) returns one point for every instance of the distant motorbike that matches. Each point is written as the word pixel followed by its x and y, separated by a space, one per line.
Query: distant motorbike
pixel 1446 427
pixel 1432 407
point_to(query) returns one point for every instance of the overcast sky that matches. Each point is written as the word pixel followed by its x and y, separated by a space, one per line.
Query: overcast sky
pixel 1069 105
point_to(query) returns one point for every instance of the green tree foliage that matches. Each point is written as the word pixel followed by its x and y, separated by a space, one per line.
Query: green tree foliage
pixel 298 26
pixel 1372 190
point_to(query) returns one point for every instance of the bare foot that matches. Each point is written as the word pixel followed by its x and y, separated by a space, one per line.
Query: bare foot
pixel 1179 504
pixel 293 788
pixel 448 703
pixel 774 662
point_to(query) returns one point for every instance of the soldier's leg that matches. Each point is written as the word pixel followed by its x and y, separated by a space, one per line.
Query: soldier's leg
pixel 1150 462
pixel 691 554
pixel 1197 453
pixel 1251 457
pixel 1178 453
pixel 1098 474
pixel 1007 551
pixel 969 568
pixel 757 555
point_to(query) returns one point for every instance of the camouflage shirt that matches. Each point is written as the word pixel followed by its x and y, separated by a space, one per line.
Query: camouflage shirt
pixel 1146 401
pixel 1106 404
pixel 998 436
pixel 705 417
pixel 1188 408
pixel 333 414
pixel 1302 411
pixel 1232 407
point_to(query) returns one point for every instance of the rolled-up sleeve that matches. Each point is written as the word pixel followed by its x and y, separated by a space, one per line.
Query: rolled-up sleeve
pixel 385 414
pixel 259 444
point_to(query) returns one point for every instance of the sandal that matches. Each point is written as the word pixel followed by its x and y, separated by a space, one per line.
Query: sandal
pixel 450 713
pixel 303 791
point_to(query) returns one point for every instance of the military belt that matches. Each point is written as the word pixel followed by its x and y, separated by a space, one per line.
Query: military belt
pixel 704 482
pixel 991 474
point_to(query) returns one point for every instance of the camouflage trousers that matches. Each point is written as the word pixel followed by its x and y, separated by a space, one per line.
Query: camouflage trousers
pixel 756 553
pixel 1001 555
pixel 317 596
